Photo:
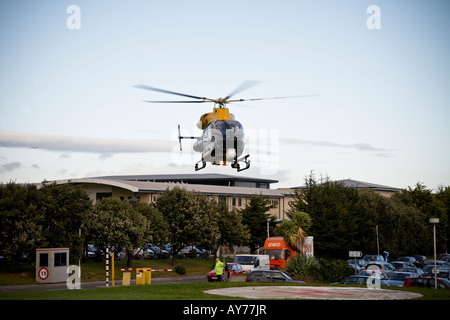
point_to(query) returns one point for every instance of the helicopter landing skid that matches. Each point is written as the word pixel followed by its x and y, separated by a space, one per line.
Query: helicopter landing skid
pixel 202 167
pixel 237 166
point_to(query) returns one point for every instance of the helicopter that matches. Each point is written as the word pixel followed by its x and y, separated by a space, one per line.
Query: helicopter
pixel 222 139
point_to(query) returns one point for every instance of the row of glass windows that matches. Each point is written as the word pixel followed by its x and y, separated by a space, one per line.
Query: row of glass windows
pixel 59 261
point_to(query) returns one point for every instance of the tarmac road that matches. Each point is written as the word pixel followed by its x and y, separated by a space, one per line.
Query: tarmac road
pixel 97 284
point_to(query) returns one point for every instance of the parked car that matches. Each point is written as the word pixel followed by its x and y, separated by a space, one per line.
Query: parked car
pixel 157 251
pixel 362 279
pixel 231 269
pixel 360 264
pixel 373 257
pixel 439 263
pixel 412 269
pixel 386 267
pixel 442 274
pixel 427 282
pixel 420 260
pixel 401 264
pixel 253 261
pixel 372 273
pixel 444 256
pixel 407 259
pixel 397 279
pixel 270 276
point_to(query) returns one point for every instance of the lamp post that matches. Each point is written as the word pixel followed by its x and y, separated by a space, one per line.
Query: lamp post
pixel 434 221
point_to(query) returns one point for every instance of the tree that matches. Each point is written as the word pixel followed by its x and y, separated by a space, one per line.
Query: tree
pixel 433 206
pixel 295 230
pixel 188 217
pixel 255 217
pixel 119 224
pixel 335 212
pixel 443 195
pixel 20 221
pixel 156 231
pixel 65 209
pixel 232 231
pixel 401 226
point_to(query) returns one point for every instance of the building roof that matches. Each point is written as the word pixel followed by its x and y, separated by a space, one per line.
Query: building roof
pixel 205 179
pixel 156 187
pixel 349 183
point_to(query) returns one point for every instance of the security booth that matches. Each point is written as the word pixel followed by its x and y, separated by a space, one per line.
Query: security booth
pixel 51 265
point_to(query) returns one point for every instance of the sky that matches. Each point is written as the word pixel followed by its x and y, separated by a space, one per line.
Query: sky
pixel 375 75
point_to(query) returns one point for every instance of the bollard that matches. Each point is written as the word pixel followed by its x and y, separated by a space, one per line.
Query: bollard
pixel 148 276
pixel 139 277
pixel 126 279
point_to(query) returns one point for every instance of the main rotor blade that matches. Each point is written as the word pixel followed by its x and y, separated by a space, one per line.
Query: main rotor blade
pixel 288 97
pixel 244 86
pixel 141 86
pixel 177 101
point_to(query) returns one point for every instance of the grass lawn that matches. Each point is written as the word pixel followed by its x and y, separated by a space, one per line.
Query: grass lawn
pixel 176 291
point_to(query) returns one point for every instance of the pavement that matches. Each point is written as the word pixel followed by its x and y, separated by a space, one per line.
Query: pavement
pixel 321 293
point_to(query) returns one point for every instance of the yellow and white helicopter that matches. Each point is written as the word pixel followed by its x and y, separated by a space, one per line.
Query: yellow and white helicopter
pixel 222 140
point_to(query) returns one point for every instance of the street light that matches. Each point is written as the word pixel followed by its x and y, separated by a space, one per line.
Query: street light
pixel 434 221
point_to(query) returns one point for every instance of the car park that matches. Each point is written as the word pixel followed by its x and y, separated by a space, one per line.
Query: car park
pixel 270 276
pixel 231 269
pixel 397 279
pixel 427 282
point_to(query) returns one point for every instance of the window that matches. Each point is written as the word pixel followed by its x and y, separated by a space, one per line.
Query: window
pixel 239 202
pixel 60 259
pixel 101 195
pixel 234 202
pixel 43 260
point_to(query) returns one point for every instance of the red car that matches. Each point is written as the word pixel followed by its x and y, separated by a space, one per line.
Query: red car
pixel 231 269
pixel 427 282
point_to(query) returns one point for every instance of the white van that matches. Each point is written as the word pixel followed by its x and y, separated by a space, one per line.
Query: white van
pixel 250 262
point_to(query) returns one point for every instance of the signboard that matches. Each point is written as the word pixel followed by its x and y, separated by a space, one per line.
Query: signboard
pixel 308 246
pixel 43 273
pixel 355 254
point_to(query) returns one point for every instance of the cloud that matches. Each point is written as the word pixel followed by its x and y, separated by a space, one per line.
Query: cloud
pixel 8 167
pixel 356 146
pixel 103 146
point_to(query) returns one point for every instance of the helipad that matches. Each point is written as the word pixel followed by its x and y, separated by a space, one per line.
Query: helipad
pixel 325 293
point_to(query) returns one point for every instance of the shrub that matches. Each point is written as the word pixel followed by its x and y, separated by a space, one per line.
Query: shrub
pixel 180 269
pixel 311 269
pixel 303 268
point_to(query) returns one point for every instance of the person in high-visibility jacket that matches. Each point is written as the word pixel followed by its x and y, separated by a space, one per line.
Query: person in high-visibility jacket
pixel 218 269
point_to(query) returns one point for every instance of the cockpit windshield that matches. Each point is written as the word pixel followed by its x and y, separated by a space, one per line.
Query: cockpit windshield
pixel 224 125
